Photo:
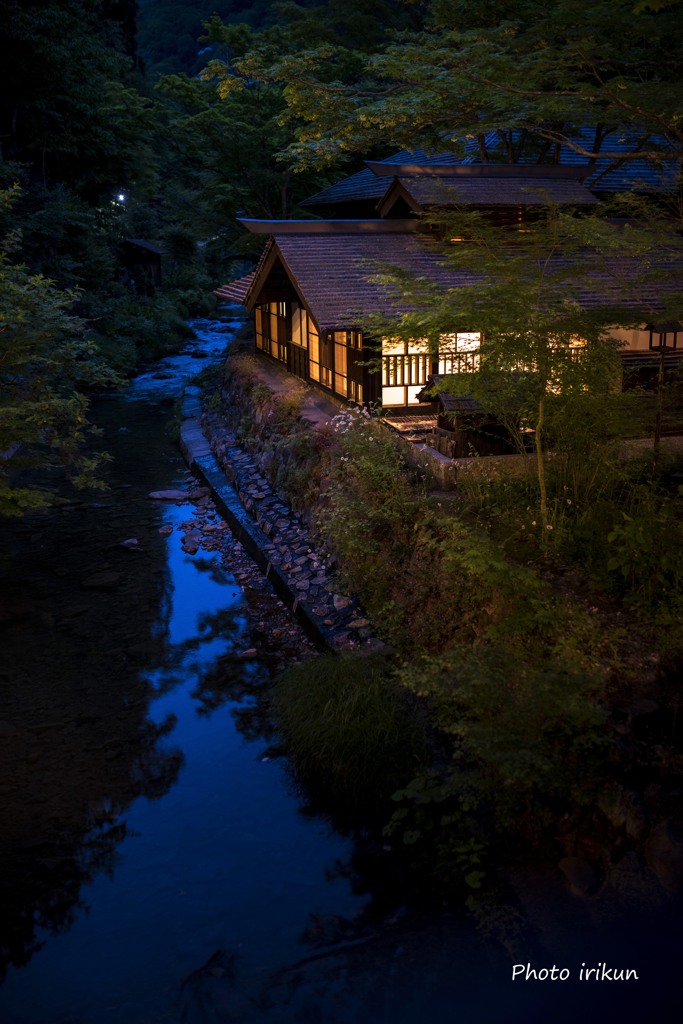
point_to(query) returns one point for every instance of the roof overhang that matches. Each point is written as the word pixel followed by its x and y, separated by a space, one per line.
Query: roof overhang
pixel 485 170
pixel 328 227
pixel 235 291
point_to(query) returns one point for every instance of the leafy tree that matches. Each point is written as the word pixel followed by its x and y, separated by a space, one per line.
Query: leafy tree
pixel 45 358
pixel 547 301
pixel 61 106
pixel 511 80
pixel 227 153
pixel 511 73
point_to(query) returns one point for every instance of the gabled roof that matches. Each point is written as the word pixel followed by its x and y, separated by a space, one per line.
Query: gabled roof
pixel 601 175
pixel 335 275
pixel 521 189
pixel 366 184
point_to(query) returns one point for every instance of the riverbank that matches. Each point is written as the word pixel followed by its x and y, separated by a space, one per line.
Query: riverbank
pixel 149 823
pixel 548 689
pixel 275 537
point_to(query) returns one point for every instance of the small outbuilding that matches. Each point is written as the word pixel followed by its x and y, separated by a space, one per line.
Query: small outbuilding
pixel 141 261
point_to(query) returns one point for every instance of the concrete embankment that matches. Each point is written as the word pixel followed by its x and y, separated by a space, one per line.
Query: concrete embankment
pixel 272 534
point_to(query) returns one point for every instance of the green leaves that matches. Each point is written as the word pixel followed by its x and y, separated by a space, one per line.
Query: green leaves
pixel 480 74
pixel 646 553
pixel 43 358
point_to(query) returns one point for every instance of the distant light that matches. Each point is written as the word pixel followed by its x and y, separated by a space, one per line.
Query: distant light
pixel 121 197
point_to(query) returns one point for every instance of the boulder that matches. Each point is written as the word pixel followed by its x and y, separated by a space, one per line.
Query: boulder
pixel 623 809
pixel 191 542
pixel 170 495
pixel 199 492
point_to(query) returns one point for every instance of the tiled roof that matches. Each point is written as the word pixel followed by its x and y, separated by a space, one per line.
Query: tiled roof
pixel 367 185
pixel 495 191
pixel 356 226
pixel 362 185
pixel 236 291
pixel 632 174
pixel 448 400
pixel 334 273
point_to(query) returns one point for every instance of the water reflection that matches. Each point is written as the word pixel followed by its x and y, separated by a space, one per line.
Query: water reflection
pixel 136 783
pixel 141 831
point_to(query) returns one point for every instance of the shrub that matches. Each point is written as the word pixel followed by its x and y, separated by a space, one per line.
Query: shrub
pixel 646 551
pixel 350 731
pixel 528 737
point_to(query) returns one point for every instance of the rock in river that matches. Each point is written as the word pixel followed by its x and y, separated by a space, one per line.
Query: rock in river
pixel 101 580
pixel 171 495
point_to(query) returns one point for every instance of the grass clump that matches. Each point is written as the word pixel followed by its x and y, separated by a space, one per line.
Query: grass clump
pixel 350 731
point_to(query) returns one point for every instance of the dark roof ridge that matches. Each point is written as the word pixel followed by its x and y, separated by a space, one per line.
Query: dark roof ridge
pixel 328 227
pixel 385 169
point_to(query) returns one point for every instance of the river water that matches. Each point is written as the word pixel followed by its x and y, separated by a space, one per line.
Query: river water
pixel 156 864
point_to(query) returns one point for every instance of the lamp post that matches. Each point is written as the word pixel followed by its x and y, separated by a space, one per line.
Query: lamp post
pixel 663 339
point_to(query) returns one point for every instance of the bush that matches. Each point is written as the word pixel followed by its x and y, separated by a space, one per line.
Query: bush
pixel 646 551
pixel 350 731
pixel 528 737
pixel 133 329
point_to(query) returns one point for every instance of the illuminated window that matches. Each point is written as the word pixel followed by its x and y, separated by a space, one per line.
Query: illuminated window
pixel 459 353
pixel 299 327
pixel 313 352
pixel 259 327
pixel 405 367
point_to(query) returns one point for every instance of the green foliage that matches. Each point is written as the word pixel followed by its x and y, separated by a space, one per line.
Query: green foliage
pixel 523 741
pixel 528 736
pixel 481 73
pixel 349 731
pixel 44 358
pixel 289 452
pixel 433 578
pixel 62 112
pixel 373 499
pixel 131 329
pixel 645 554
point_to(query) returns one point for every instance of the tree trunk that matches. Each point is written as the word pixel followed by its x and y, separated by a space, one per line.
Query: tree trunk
pixel 658 414
pixel 540 467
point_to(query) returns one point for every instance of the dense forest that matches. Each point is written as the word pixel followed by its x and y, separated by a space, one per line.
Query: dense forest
pixel 107 135
pixel 169 30
pixel 154 126
pixel 129 129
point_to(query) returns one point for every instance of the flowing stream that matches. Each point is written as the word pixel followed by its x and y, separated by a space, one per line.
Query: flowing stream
pixel 155 863
pixel 142 831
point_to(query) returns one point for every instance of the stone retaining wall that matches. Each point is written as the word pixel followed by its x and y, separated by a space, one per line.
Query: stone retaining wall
pixel 273 535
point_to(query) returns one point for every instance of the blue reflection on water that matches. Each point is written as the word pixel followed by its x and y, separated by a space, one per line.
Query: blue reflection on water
pixel 223 860
pixel 169 375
